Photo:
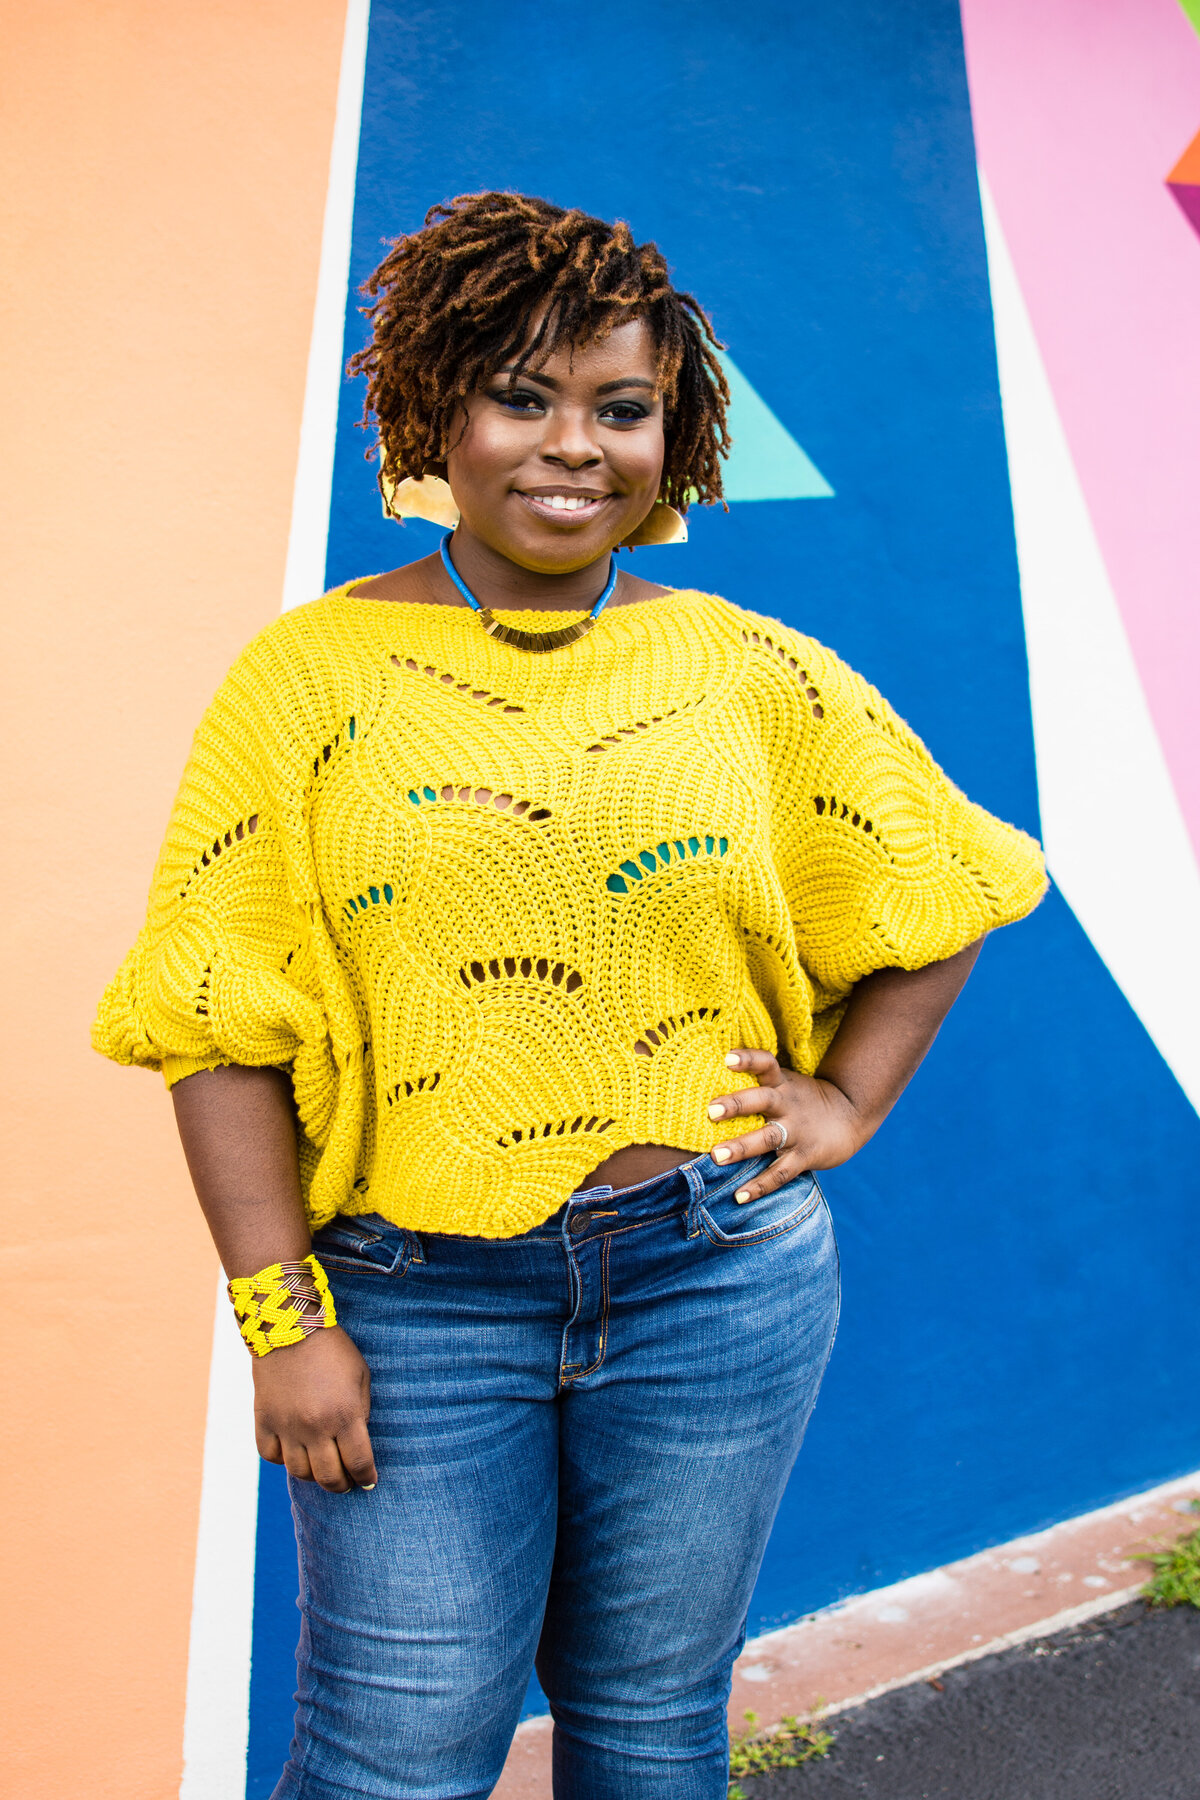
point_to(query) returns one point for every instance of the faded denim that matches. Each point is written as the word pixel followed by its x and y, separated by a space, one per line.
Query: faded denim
pixel 583 1435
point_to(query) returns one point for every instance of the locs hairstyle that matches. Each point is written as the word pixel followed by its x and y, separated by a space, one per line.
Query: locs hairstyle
pixel 452 303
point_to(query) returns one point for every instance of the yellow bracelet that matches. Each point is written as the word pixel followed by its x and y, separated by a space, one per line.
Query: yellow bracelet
pixel 282 1304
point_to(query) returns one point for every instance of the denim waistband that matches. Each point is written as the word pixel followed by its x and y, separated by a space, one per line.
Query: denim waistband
pixel 594 1210
pixel 659 1195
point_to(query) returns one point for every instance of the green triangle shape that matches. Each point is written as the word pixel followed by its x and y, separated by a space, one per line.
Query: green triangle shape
pixel 766 462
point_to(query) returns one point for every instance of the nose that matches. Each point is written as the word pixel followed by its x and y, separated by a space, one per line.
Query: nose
pixel 570 439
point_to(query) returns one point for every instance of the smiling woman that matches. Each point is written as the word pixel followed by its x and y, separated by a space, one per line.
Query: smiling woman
pixel 580 921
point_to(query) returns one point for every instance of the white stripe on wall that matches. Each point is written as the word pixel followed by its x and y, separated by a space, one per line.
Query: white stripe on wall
pixel 217 1714
pixel 1116 841
pixel 217 1717
pixel 304 578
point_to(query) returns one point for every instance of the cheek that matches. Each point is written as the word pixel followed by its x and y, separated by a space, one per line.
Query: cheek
pixel 481 454
pixel 640 460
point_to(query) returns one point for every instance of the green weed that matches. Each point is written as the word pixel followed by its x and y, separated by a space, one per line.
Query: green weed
pixel 794 1742
pixel 1176 1577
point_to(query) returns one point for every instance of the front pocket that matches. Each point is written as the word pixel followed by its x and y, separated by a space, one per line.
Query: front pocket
pixel 724 1222
pixel 346 1244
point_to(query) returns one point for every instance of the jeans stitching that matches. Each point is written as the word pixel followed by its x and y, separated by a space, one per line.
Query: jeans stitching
pixel 762 1236
pixel 591 1369
pixel 305 1598
pixel 564 1368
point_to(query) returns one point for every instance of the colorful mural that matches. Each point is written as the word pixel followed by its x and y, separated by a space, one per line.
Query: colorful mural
pixel 959 286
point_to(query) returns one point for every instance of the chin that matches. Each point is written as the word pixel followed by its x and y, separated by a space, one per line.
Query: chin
pixel 558 557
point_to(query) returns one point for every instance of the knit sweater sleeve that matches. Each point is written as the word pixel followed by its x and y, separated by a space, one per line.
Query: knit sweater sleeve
pixel 886 863
pixel 223 971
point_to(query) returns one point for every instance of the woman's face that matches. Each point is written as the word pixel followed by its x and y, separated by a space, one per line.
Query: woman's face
pixel 553 473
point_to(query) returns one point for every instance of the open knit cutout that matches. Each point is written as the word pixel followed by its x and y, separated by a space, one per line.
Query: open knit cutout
pixel 829 803
pixel 203 989
pixel 830 807
pixel 344 736
pixel 650 1041
pixel 893 959
pixel 458 687
pixel 521 968
pixel 383 895
pixel 662 856
pixel 759 640
pixel 517 809
pixel 525 1134
pixel 235 835
pixel 980 877
pixel 625 732
pixel 420 1084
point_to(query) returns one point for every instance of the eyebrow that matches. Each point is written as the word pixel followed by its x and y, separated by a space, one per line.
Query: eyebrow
pixel 606 387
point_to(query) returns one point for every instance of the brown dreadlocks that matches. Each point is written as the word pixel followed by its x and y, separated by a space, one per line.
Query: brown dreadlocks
pixel 454 302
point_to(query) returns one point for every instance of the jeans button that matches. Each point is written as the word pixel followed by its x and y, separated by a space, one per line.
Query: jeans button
pixel 579 1223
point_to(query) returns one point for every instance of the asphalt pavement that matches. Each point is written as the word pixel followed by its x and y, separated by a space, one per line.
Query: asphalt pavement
pixel 1109 1710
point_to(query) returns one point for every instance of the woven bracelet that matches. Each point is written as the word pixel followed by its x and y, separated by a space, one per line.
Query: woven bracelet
pixel 282 1304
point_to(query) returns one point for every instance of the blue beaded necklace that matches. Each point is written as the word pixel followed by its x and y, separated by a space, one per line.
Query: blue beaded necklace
pixel 528 640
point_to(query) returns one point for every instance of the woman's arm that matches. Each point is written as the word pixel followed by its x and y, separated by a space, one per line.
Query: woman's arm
pixel 890 1021
pixel 312 1399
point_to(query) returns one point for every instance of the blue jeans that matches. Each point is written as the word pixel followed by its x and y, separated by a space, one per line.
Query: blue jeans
pixel 582 1436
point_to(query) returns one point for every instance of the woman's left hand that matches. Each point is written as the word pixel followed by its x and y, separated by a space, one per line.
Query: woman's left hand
pixel 821 1128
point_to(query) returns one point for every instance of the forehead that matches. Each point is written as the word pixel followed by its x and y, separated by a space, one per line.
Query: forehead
pixel 627 350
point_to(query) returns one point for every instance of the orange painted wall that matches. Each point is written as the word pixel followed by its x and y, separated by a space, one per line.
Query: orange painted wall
pixel 164 172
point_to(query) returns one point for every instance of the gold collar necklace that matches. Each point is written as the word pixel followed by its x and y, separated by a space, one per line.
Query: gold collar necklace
pixel 528 640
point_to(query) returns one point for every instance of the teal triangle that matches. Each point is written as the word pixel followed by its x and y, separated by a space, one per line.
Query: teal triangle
pixel 766 462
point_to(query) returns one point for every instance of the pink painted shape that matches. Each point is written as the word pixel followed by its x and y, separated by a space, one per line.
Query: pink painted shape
pixel 1081 112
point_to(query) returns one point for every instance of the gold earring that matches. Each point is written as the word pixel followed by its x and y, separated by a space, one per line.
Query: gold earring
pixel 427 498
pixel 662 525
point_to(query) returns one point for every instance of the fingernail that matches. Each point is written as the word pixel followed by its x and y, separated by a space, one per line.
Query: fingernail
pixel 720 1154
pixel 733 1061
pixel 368 1487
pixel 716 1111
pixel 742 1195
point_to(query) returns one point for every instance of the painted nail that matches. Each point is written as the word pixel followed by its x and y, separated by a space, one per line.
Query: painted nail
pixel 716 1111
pixel 720 1154
pixel 742 1195
pixel 732 1061
pixel 368 1487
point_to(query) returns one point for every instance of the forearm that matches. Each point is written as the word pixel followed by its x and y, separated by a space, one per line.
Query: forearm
pixel 890 1022
pixel 238 1130
pixel 818 1121
pixel 312 1398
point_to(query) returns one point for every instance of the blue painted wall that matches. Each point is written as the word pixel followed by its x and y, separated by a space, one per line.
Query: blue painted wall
pixel 1018 1241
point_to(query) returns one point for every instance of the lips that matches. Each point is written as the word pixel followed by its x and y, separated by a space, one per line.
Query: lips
pixel 559 507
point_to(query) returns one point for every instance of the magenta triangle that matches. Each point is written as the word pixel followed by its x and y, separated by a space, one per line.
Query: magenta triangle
pixel 1188 196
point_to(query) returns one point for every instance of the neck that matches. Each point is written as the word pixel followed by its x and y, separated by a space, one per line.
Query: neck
pixel 498 583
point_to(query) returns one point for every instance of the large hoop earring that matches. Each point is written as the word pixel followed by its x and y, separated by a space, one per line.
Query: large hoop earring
pixel 428 498
pixel 662 525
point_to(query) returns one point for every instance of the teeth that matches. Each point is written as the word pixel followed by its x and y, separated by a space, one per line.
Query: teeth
pixel 563 502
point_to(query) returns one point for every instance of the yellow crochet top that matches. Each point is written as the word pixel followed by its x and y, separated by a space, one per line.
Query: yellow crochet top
pixel 501 914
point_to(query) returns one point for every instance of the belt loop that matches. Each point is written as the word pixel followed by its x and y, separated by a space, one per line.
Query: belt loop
pixel 695 1183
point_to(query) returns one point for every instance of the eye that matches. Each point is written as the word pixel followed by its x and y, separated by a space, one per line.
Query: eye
pixel 519 400
pixel 624 412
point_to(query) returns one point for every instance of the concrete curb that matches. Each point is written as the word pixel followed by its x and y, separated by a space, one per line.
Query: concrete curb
pixel 916 1629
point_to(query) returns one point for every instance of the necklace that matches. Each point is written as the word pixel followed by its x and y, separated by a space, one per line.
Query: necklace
pixel 528 640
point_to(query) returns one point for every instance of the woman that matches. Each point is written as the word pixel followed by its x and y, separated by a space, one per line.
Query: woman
pixel 525 936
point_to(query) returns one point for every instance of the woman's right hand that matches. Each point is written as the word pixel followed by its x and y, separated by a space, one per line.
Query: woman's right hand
pixel 312 1401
